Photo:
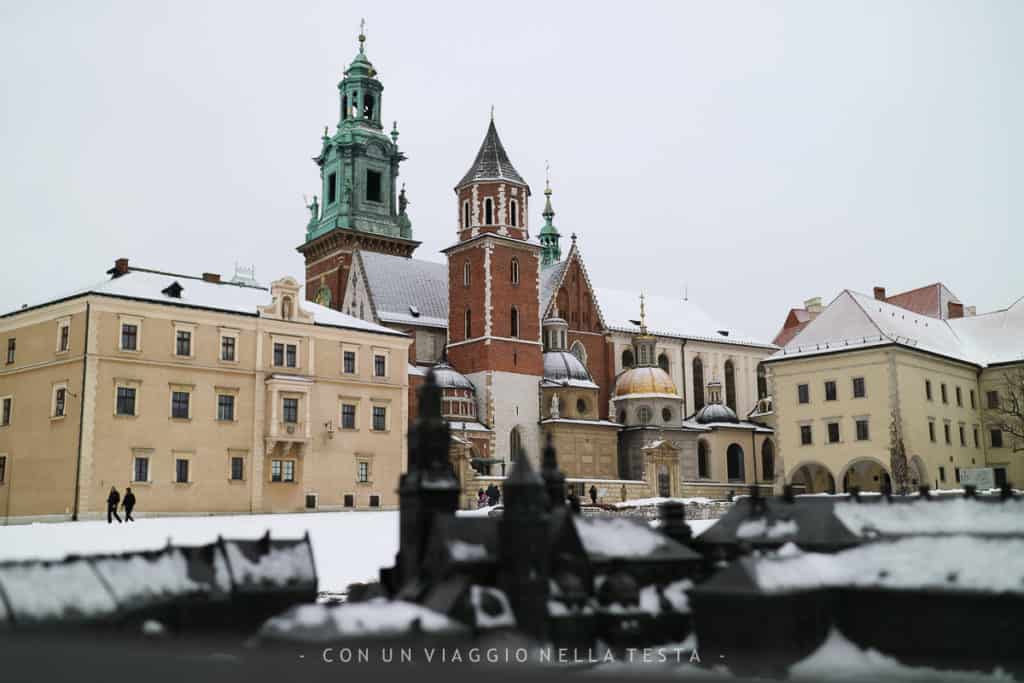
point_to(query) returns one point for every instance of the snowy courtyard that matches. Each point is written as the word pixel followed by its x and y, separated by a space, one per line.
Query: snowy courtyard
pixel 348 546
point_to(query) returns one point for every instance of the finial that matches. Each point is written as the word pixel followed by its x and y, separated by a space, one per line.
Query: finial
pixel 325 131
pixel 492 113
pixel 394 132
pixel 574 238
pixel 362 34
pixel 547 177
pixel 643 315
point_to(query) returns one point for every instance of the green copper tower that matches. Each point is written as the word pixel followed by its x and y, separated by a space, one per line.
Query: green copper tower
pixel 359 163
pixel 550 249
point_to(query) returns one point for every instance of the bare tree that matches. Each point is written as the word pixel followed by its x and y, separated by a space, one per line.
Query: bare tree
pixel 1007 414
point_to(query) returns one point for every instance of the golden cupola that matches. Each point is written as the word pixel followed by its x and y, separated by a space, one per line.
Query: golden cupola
pixel 646 378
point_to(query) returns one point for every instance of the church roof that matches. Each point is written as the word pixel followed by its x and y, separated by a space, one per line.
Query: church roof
pixel 405 290
pixel 550 279
pixel 492 162
pixel 932 300
pixel 562 368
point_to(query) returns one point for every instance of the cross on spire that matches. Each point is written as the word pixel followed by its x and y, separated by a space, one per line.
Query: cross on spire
pixel 362 33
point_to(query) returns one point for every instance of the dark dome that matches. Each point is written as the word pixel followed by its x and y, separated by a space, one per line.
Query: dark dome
pixel 715 412
pixel 449 378
pixel 562 366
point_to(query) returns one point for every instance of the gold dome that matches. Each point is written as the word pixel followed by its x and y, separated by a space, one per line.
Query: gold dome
pixel 646 380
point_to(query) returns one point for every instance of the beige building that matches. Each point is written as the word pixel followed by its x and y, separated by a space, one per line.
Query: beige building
pixel 204 396
pixel 866 378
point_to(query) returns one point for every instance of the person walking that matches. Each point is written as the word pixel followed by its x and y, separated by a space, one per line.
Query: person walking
pixel 593 494
pixel 113 498
pixel 128 504
pixel 492 494
pixel 481 499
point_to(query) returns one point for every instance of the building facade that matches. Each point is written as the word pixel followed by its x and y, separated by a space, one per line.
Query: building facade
pixel 203 396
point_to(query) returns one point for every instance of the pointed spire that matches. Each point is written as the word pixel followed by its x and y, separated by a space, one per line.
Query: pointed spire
pixel 551 249
pixel 492 162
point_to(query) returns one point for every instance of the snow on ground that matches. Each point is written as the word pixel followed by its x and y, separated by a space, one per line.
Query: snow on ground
pixel 347 546
pixel 645 502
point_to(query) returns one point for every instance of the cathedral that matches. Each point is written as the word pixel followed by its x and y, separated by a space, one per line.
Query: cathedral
pixel 641 396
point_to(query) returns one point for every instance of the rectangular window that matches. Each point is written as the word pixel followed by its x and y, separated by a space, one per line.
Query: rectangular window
pixel 349 362
pixel 375 501
pixel 942 473
pixel 363 472
pixel 380 414
pixel 141 470
pixel 350 500
pixel 65 337
pixel 977 441
pixel 959 398
pixel 275 470
pixel 58 402
pixel 830 391
pixel 179 405
pixel 373 193
pixel 348 416
pixel 997 438
pixel 237 468
pixel 181 471
pixel 289 470
pixel 956 473
pixel 945 433
pixel 963 436
pixel 226 407
pixel 942 392
pixel 862 430
pixel 974 401
pixel 290 410
pixel 805 435
pixel 931 431
pixel 332 188
pixel 227 349
pixel 125 401
pixel 992 400
pixel 311 501
pixel 859 389
pixel 928 389
pixel 833 432
pixel 11 344
pixel 290 356
pixel 3 468
pixel 184 343
pixel 380 366
pixel 5 413
pixel 278 355
pixel 803 393
pixel 282 470
pixel 129 337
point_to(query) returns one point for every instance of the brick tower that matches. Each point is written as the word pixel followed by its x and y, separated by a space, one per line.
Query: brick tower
pixel 494 335
pixel 360 204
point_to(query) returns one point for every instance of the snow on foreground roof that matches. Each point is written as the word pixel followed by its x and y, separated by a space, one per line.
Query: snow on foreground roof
pixel 949 564
pixel 377 617
pixel 956 516
pixel 667 317
pixel 857 321
pixel 144 285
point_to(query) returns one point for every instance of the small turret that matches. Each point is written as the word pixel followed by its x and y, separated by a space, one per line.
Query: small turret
pixel 550 249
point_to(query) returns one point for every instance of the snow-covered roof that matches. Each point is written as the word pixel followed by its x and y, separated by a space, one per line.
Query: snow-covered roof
pixel 667 317
pixel 956 516
pixel 608 538
pixel 376 617
pixel 550 277
pixel 857 321
pixel 405 290
pixel 492 162
pixel 149 286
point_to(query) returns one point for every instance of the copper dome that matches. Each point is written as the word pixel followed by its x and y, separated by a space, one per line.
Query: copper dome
pixel 645 380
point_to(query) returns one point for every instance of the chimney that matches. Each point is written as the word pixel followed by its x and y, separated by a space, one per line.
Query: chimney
pixel 120 267
pixel 211 277
pixel 956 310
pixel 880 293
pixel 813 305
pixel 970 311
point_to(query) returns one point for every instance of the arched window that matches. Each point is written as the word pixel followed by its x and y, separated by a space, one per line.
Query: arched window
pixel 579 351
pixel 513 322
pixel 734 462
pixel 581 407
pixel 465 214
pixel 513 211
pixel 698 384
pixel 344 107
pixel 730 385
pixel 488 211
pixel 368 106
pixel 515 442
pixel 467 276
pixel 762 381
pixel 353 105
pixel 767 460
pixel 469 323
pixel 627 359
pixel 643 415
pixel 666 414
pixel 663 362
pixel 703 460
pixel 514 271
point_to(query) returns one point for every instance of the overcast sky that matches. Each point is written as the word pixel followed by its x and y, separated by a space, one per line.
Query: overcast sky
pixel 756 153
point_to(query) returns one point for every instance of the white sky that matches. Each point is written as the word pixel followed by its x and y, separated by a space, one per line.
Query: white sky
pixel 759 154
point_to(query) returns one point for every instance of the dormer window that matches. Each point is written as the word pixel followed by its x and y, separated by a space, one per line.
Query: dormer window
pixel 173 290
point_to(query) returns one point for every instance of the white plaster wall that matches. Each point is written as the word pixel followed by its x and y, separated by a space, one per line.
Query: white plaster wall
pixel 516 402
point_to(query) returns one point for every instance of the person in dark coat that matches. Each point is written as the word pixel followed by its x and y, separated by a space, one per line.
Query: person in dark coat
pixel 128 504
pixel 593 494
pixel 113 498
